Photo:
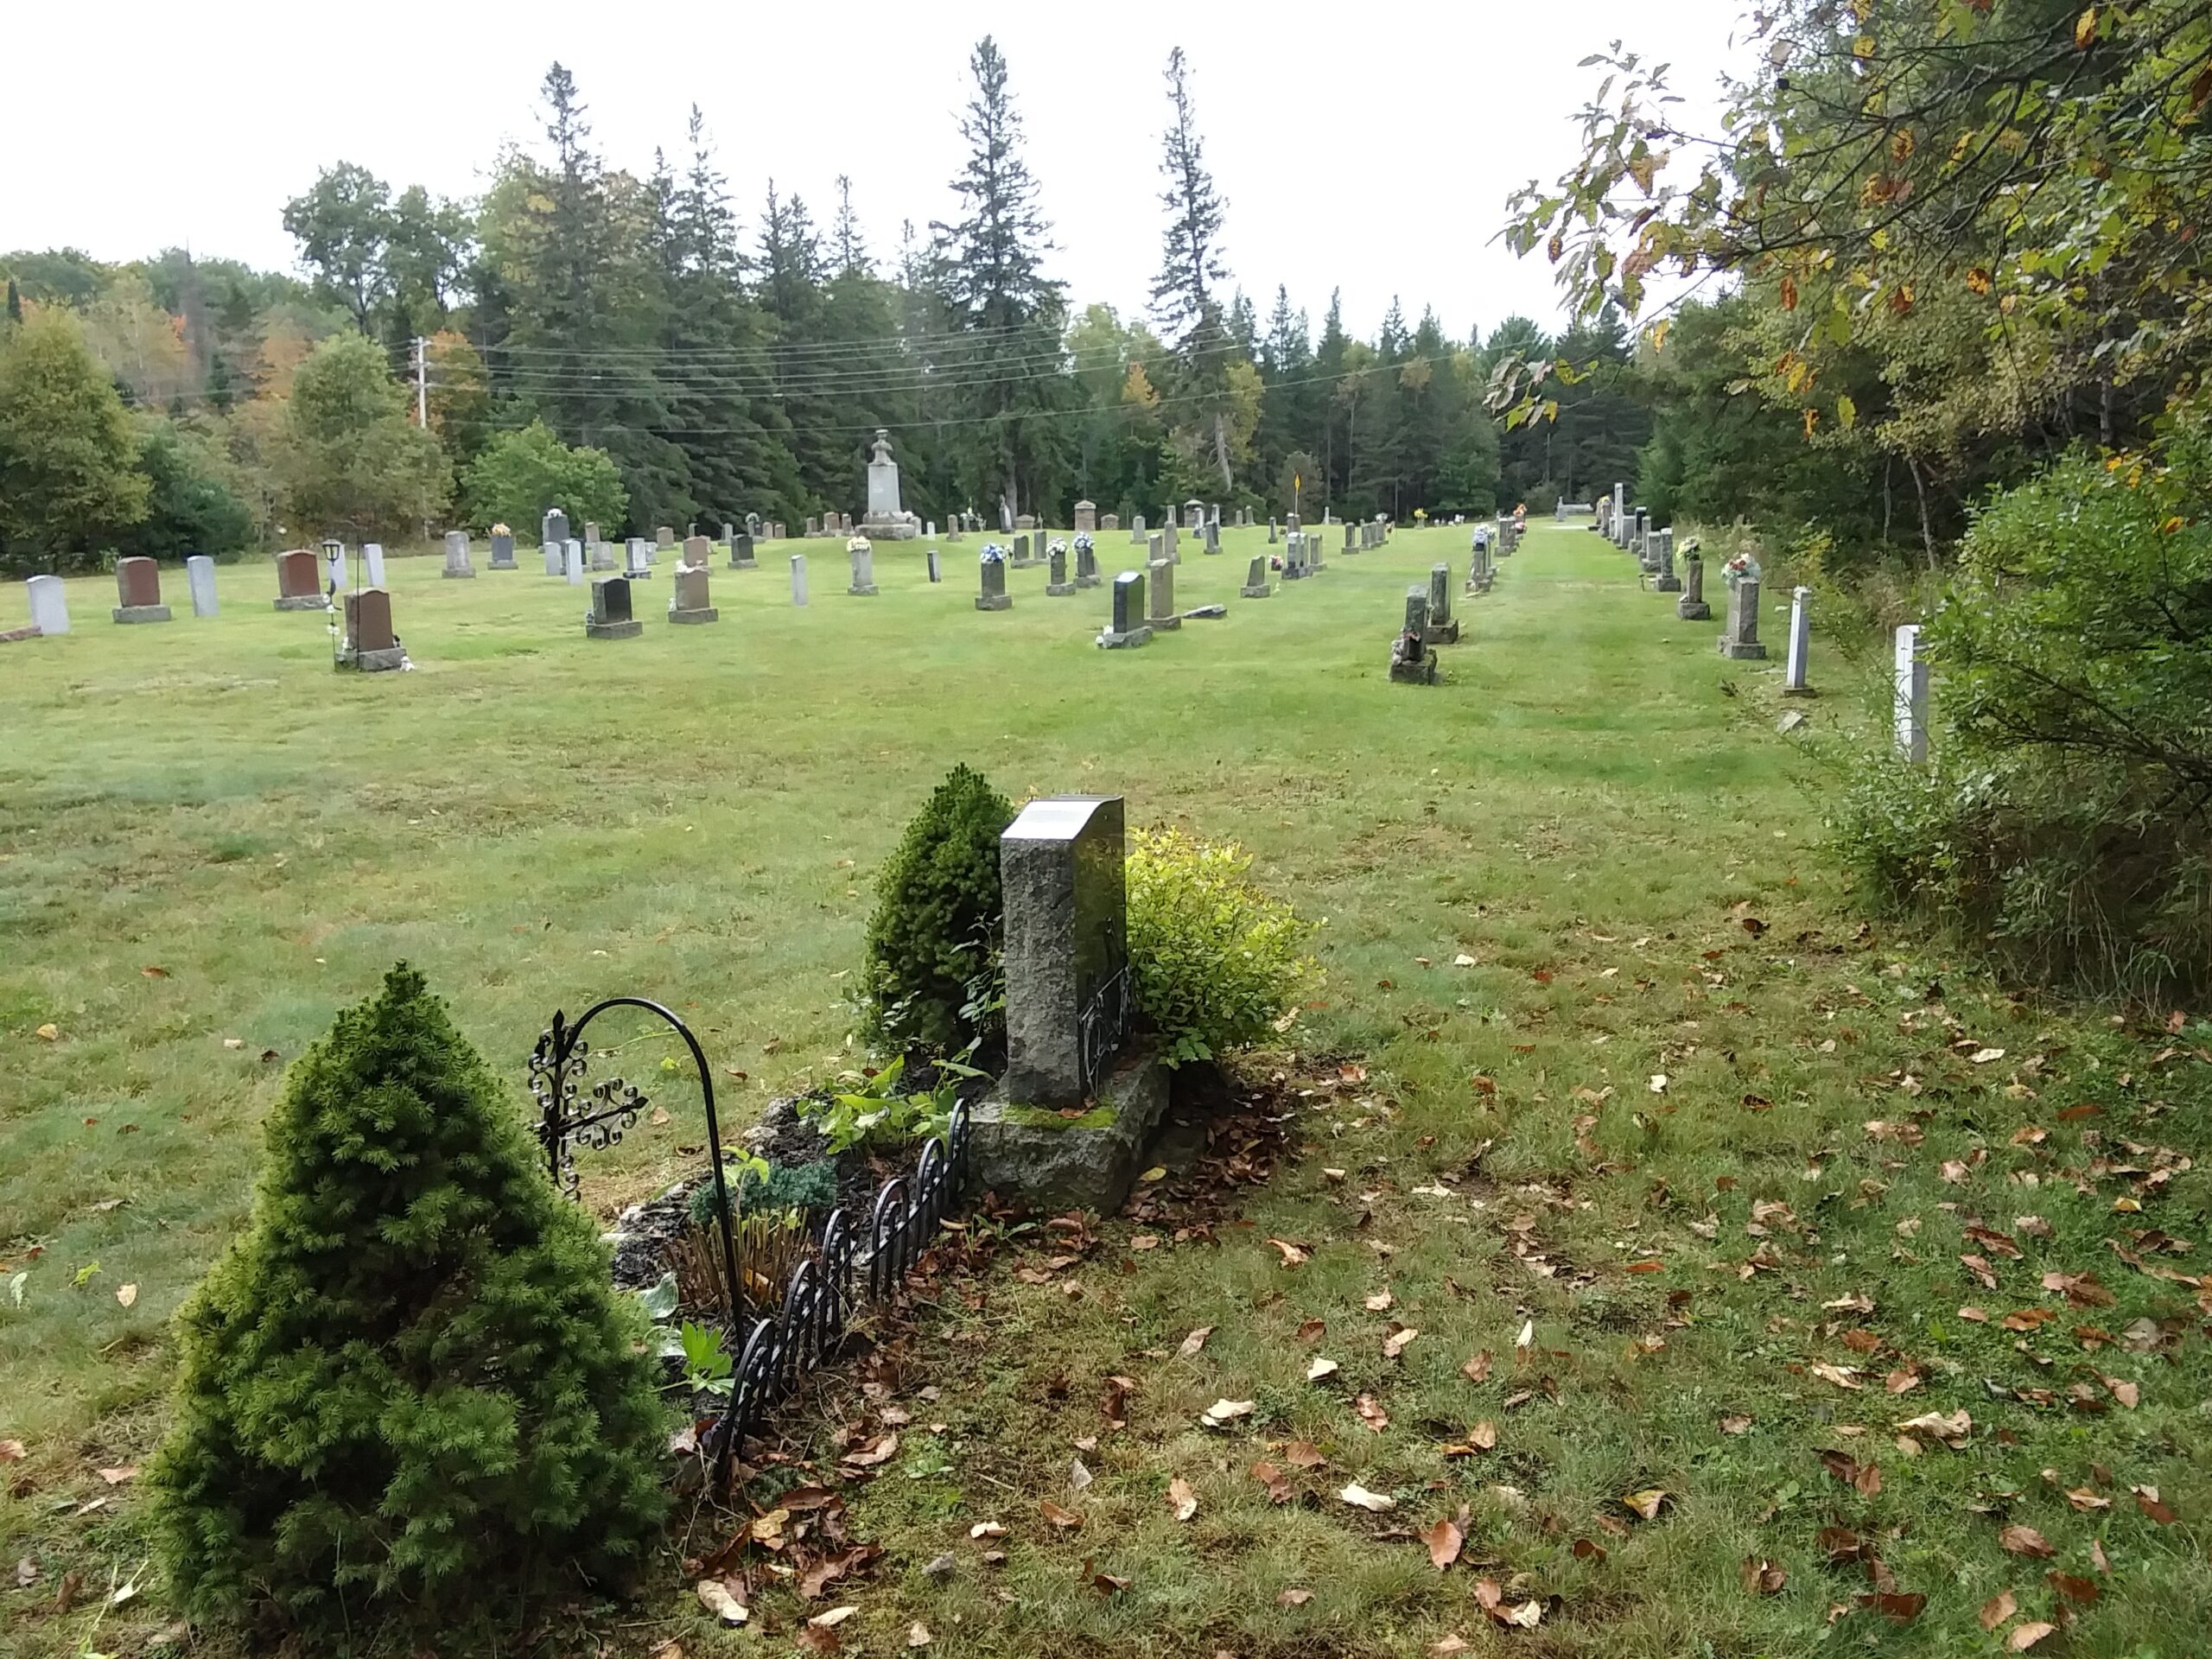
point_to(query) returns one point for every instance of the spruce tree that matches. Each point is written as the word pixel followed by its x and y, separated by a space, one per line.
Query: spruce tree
pixel 408 1392
pixel 1009 314
pixel 1185 295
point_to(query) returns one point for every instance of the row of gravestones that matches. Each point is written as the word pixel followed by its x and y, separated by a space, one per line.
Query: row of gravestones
pixel 1429 622
pixel 1631 528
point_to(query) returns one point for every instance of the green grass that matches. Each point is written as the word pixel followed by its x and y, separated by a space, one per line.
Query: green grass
pixel 538 819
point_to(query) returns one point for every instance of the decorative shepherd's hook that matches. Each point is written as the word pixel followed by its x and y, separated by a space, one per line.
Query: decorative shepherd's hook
pixel 555 1073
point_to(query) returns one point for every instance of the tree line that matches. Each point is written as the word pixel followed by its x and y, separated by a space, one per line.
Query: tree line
pixel 629 343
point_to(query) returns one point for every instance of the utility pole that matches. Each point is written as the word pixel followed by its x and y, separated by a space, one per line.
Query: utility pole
pixel 421 383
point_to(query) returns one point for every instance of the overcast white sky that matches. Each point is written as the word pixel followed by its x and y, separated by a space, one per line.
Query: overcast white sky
pixel 1369 145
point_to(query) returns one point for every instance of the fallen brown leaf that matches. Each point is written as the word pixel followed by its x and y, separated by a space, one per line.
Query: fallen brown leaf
pixel 1371 1412
pixel 2020 1540
pixel 1646 1503
pixel 1067 1520
pixel 1181 1498
pixel 2025 1637
pixel 1761 1577
pixel 1444 1540
pixel 1999 1608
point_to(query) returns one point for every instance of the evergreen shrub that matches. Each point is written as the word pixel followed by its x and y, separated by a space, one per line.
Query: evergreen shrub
pixel 934 941
pixel 409 1392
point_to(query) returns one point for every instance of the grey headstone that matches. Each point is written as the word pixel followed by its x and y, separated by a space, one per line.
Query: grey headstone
pixel 49 604
pixel 993 595
pixel 457 564
pixel 799 578
pixel 936 573
pixel 556 527
pixel 372 563
pixel 1256 578
pixel 572 561
pixel 1740 637
pixel 1801 642
pixel 503 550
pixel 1691 607
pixel 1066 958
pixel 1163 615
pixel 1128 627
pixel 610 617
pixel 1911 695
pixel 863 583
pixel 200 576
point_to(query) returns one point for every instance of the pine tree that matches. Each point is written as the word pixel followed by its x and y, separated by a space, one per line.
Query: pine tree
pixel 407 1391
pixel 1191 269
pixel 849 246
pixel 990 265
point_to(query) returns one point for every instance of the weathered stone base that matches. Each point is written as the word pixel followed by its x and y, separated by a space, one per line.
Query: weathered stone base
pixel 1698 612
pixel 1109 640
pixel 458 576
pixel 1052 1162
pixel 375 662
pixel 1260 592
pixel 142 613
pixel 1206 613
pixel 1441 633
pixel 1058 590
pixel 745 564
pixel 1026 564
pixel 1476 588
pixel 629 630
pixel 1163 624
pixel 685 619
pixel 1666 585
pixel 1086 581
pixel 889 530
pixel 1739 652
pixel 868 592
pixel 303 602
pixel 995 602
pixel 1421 673
pixel 1799 692
pixel 502 564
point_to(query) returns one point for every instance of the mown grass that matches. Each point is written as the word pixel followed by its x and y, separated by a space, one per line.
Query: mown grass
pixel 1582 809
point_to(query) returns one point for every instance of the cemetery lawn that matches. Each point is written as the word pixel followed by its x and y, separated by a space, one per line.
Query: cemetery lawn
pixel 1599 1052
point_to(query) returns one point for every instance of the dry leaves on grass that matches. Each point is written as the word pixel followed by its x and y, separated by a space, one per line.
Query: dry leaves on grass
pixel 1359 1497
pixel 1999 1608
pixel 1293 1256
pixel 2025 1637
pixel 1293 1598
pixel 1398 1341
pixel 1646 1504
pixel 1067 1520
pixel 2019 1540
pixel 1371 1412
pixel 1303 1454
pixel 1321 1368
pixel 1865 1479
pixel 1181 1498
pixel 1763 1577
pixel 1444 1539
pixel 1223 1412
pixel 1951 1427
pixel 1272 1478
pixel 714 1596
pixel 1491 1599
pixel 1192 1343
pixel 1477 1369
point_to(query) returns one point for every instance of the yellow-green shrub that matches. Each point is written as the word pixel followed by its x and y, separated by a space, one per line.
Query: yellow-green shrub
pixel 1214 960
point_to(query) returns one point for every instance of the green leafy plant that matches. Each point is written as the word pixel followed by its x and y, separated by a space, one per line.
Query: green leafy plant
pixel 707 1364
pixel 410 1390
pixel 2065 818
pixel 875 1117
pixel 938 918
pixel 1216 962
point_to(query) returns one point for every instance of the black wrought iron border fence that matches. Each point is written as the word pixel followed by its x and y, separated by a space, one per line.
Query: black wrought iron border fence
pixel 827 1285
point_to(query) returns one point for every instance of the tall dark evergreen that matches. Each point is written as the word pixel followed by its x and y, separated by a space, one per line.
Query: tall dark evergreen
pixel 1003 371
pixel 1185 295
